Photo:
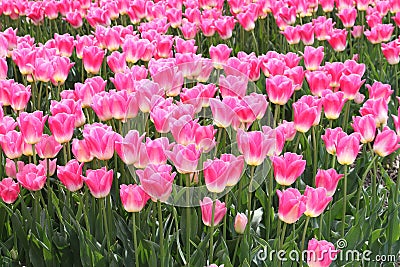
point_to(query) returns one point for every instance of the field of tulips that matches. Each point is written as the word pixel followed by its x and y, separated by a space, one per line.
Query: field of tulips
pixel 199 133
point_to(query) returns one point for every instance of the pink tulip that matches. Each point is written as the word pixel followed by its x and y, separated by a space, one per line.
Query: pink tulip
pixel 386 142
pixel 332 103
pixel 145 90
pixel 391 51
pixel 323 27
pixel 206 206
pixel 348 148
pixel 43 70
pixel 378 109
pixel 316 201
pixel 291 205
pixel 61 67
pixel 287 129
pixel 379 90
pixel 20 96
pixel 184 158
pixel 304 116
pixel 335 70
pixel 74 18
pixel 313 57
pixel 307 34
pixel 366 126
pixel 48 147
pixel 12 144
pixel 322 253
pixel 117 62
pixel 219 55
pixel 52 166
pixel 100 140
pixel 71 175
pixel 279 89
pixel 223 115
pixel 81 151
pixel 32 177
pixel 92 59
pixel 331 139
pixel 224 26
pixel 350 85
pixel 157 180
pixel 240 223
pixel 348 16
pixel 128 148
pixel 156 150
pixel 233 85
pixel 64 44
pixel 31 126
pixel 318 81
pixel 67 106
pixel 133 197
pixel 62 127
pixel 328 179
pixel 9 190
pixel 235 168
pixel 99 181
pixel 255 146
pixel 216 175
pixel 288 168
pixel 10 169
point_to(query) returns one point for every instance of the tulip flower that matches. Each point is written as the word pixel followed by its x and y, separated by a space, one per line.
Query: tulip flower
pixel 157 180
pixel 316 201
pixel 328 179
pixel 61 67
pixel 350 85
pixel 322 253
pixel 386 142
pixel 12 144
pixel 62 127
pixel 32 177
pixel 206 206
pixel 240 223
pixel 348 16
pixel 379 90
pixel 9 190
pixel 3 69
pixel 255 146
pixel 313 57
pixel 156 150
pixel 304 116
pixel 318 81
pixel 332 103
pixel 20 96
pixel 128 148
pixel 100 140
pixel 31 126
pixel 52 166
pixel 80 150
pixel 291 205
pixel 366 126
pixel 10 169
pixel 378 108
pixel 184 158
pixel 71 175
pixel 99 181
pixel 348 148
pixel 48 147
pixel 279 89
pixel 92 59
pixel 288 168
pixel 133 197
pixel 219 55
pixel 331 139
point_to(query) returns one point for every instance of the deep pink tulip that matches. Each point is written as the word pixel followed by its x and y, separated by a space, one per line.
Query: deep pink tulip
pixel 62 127
pixel 43 70
pixel 348 16
pixel 377 108
pixel 348 148
pixel 52 166
pixel 255 146
pixel 291 205
pixel 68 106
pixel 288 168
pixel 81 151
pixel 331 139
pixel 350 85
pixel 100 140
pixel 379 90
pixel 206 206
pixel 279 89
pixel 145 90
pixel 332 103
pixel 99 181
pixel 335 70
pixel 307 34
pixel 61 67
pixel 304 116
pixel 31 126
pixel 366 126
pixel 318 81
pixel 3 69
pixel 321 253
pixel 316 201
pixel 10 169
pixel 205 138
pixel 240 223
pixel 233 85
pixel 391 51
pixel 224 26
pixel 288 130
pixel 133 197
pixel 20 96
pixel 71 175
pixel 235 168
pixel 223 115
pixel 48 147
pixel 184 158
pixel 386 142
pixel 92 59
pixel 313 57
pixel 156 150
pixel 338 40
pixel 157 180
pixel 32 177
pixel 219 55
pixel 216 175
pixel 12 144
pixel 9 190
pixel 117 62
pixel 328 179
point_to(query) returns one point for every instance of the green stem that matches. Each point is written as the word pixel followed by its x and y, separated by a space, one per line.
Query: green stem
pixel 212 232
pixel 315 151
pixel 135 239
pixel 346 115
pixel 320 225
pixel 395 214
pixel 161 232
pixel 276 115
pixel 103 208
pixel 188 217
pixel 236 248
pixel 362 183
pixel 34 154
pixel 249 196
pixel 303 239
pixel 269 206
pixel 344 200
